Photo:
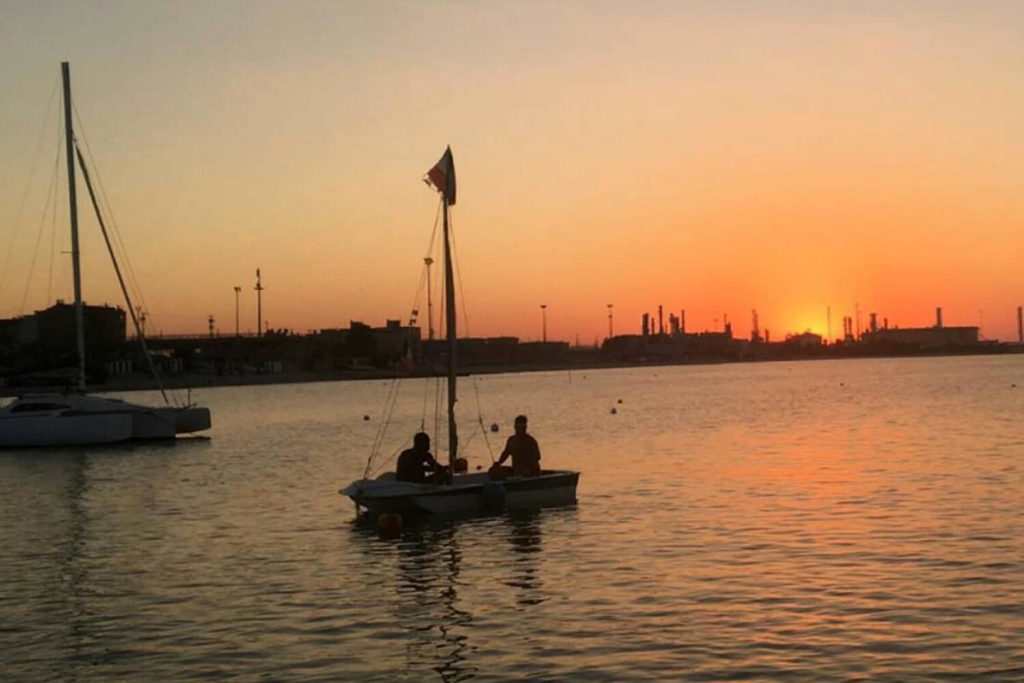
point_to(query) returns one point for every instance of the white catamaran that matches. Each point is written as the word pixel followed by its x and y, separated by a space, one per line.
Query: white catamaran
pixel 79 419
pixel 466 494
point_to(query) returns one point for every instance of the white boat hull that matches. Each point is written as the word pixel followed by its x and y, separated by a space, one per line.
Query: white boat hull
pixel 82 420
pixel 469 494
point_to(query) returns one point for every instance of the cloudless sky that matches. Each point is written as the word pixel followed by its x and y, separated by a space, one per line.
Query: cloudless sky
pixel 714 156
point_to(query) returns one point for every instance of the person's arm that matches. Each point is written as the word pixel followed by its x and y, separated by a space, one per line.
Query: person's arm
pixel 505 453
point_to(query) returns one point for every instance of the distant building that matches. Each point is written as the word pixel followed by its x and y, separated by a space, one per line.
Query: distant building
pixel 46 339
pixel 804 339
pixel 393 341
pixel 924 337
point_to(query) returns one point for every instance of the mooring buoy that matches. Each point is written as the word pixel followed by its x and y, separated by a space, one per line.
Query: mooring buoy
pixel 389 524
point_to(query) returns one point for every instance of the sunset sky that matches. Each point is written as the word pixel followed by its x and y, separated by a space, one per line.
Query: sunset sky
pixel 713 156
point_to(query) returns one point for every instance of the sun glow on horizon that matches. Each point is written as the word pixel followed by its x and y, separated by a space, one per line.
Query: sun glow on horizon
pixel 708 157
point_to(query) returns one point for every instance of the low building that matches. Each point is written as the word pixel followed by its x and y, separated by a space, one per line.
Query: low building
pixel 926 338
pixel 46 339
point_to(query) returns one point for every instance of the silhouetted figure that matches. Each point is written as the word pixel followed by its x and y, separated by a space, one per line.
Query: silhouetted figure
pixel 524 451
pixel 416 464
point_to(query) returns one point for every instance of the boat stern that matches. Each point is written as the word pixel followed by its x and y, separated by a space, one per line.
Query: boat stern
pixel 192 419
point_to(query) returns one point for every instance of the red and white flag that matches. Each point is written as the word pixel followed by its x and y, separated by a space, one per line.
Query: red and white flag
pixel 442 176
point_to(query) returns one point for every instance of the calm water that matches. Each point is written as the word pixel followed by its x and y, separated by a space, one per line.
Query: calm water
pixel 820 520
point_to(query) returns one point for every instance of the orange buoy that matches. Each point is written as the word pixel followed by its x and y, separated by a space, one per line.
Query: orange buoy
pixel 389 524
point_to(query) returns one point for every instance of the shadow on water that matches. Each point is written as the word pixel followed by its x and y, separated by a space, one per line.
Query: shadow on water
pixel 524 536
pixel 186 443
pixel 428 560
pixel 68 536
pixel 74 575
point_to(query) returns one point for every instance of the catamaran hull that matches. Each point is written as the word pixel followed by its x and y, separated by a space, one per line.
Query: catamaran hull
pixel 83 420
pixel 65 430
pixel 468 495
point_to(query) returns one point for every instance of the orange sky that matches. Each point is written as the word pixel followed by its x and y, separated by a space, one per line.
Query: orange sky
pixel 710 156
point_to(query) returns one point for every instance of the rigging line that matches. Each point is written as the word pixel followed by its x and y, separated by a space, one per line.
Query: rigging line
pixel 472 435
pixel 63 218
pixel 389 405
pixel 53 227
pixel 381 431
pixel 28 185
pixel 439 394
pixel 430 254
pixel 53 252
pixel 51 199
pixel 133 283
pixel 426 402
pixel 53 221
pixel 483 430
pixel 376 470
pixel 389 409
pixel 465 318
pixel 117 270
pixel 109 212
pixel 415 308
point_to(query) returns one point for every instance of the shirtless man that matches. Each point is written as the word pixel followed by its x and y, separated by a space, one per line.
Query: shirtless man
pixel 524 451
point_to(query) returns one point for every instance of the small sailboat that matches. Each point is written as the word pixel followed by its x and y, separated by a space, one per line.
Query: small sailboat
pixel 80 419
pixel 469 493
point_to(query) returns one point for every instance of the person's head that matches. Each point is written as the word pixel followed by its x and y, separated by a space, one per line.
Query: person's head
pixel 519 424
pixel 421 441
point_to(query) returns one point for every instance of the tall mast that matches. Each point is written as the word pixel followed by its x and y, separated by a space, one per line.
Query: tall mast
pixel 449 311
pixel 69 141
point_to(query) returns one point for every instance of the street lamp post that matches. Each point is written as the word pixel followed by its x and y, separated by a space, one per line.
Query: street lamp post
pixel 430 304
pixel 259 305
pixel 544 322
pixel 238 290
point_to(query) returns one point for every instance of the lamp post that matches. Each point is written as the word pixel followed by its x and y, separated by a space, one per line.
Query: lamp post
pixel 610 333
pixel 430 304
pixel 238 290
pixel 259 305
pixel 544 322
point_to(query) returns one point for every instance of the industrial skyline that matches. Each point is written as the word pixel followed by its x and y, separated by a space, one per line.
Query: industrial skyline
pixel 808 160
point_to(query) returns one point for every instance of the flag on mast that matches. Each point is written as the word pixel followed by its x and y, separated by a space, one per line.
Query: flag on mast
pixel 442 176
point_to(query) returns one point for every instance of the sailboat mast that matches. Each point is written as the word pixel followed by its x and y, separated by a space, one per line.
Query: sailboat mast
pixel 449 310
pixel 69 141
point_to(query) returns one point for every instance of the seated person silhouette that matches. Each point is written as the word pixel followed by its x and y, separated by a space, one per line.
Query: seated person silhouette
pixel 416 464
pixel 524 451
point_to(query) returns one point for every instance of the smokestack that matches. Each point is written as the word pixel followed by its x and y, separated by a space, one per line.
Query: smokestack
pixel 682 321
pixel 661 322
pixel 938 317
pixel 1020 325
pixel 874 322
pixel 646 324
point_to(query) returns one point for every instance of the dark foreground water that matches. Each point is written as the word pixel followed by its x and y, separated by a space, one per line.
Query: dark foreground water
pixel 820 521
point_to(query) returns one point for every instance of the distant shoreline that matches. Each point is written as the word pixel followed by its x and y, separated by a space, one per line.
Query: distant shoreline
pixel 139 382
